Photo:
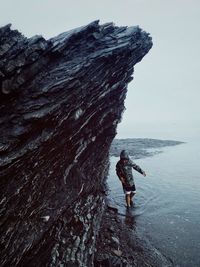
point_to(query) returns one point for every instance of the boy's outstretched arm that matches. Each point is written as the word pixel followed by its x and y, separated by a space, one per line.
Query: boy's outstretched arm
pixel 137 168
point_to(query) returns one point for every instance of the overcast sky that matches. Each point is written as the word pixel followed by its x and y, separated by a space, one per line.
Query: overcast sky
pixel 163 98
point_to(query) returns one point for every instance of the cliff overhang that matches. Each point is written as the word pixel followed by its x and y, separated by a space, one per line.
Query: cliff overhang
pixel 61 100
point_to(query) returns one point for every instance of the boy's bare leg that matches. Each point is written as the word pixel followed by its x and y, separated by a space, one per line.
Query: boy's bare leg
pixel 128 200
pixel 131 198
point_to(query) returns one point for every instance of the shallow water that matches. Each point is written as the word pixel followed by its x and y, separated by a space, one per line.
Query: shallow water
pixel 167 204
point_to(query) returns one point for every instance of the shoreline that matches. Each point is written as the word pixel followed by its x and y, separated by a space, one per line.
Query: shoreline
pixel 119 244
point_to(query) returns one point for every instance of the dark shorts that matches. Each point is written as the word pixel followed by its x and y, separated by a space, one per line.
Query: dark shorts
pixel 129 189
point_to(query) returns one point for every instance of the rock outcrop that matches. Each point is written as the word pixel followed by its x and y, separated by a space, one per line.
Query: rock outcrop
pixel 60 102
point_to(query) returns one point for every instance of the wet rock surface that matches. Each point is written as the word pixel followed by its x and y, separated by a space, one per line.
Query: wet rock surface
pixel 118 244
pixel 60 102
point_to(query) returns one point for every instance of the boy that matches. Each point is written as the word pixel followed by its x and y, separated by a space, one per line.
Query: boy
pixel 124 172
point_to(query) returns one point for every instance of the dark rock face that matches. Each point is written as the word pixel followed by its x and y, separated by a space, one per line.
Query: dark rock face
pixel 60 102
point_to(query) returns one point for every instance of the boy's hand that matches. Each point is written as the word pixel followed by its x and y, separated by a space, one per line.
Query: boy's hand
pixel 144 174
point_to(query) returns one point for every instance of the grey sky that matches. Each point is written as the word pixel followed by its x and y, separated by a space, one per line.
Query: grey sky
pixel 163 99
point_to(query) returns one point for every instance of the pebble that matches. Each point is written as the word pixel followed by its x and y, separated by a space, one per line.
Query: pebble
pixel 117 252
pixel 115 240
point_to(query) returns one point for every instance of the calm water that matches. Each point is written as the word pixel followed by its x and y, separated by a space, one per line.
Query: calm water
pixel 167 203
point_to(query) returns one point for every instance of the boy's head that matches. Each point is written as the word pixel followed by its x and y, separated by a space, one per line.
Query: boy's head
pixel 124 155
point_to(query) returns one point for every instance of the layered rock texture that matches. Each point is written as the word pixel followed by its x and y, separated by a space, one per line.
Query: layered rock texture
pixel 60 102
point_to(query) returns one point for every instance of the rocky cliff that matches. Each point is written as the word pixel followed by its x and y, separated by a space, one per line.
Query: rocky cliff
pixel 60 102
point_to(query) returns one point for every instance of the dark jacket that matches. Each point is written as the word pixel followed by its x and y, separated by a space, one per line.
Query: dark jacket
pixel 124 169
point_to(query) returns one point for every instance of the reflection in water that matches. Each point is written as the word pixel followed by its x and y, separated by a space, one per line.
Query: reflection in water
pixel 129 219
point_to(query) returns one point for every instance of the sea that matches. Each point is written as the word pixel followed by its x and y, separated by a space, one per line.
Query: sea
pixel 166 208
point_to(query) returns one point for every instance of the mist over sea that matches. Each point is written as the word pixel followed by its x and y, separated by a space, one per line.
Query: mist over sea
pixel 180 131
pixel 166 209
